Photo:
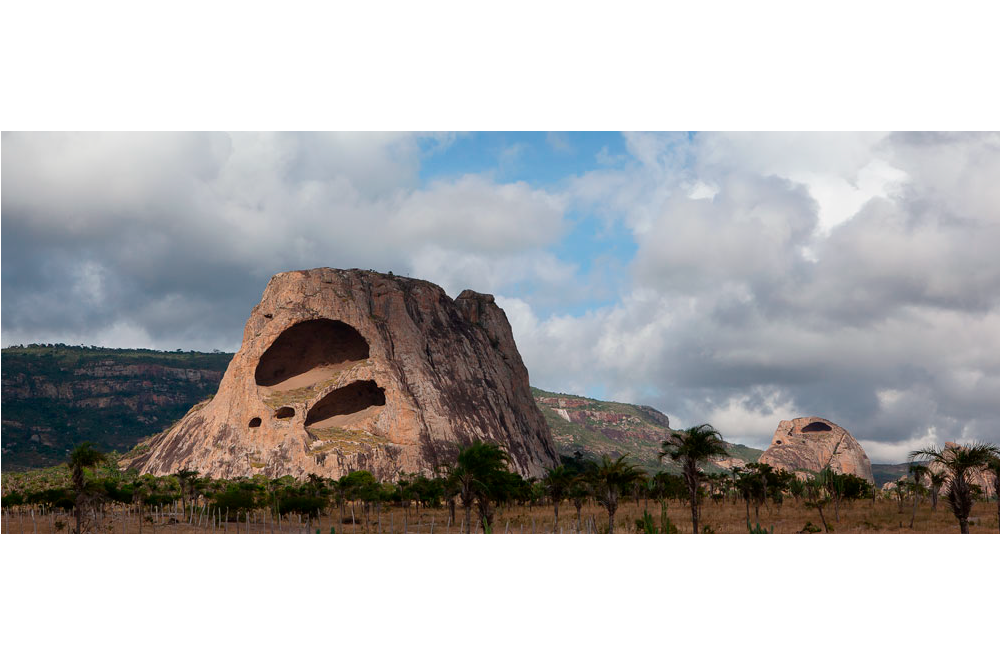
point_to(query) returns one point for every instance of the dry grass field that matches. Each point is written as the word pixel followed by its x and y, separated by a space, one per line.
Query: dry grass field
pixel 859 517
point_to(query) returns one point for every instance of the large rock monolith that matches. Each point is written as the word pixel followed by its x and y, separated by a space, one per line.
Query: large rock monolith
pixel 812 443
pixel 343 370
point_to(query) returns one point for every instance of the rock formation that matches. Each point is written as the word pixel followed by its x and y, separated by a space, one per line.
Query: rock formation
pixel 342 370
pixel 812 443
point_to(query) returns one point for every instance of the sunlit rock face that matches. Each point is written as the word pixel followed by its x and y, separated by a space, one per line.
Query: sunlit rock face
pixel 812 443
pixel 342 370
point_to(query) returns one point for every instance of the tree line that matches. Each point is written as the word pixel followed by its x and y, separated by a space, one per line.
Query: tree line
pixel 479 479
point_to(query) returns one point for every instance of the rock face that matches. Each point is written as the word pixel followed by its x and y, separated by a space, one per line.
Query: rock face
pixel 343 370
pixel 811 443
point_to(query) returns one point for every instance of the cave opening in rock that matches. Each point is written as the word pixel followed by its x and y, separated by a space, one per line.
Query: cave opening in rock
pixel 285 413
pixel 254 423
pixel 309 352
pixel 347 405
pixel 815 427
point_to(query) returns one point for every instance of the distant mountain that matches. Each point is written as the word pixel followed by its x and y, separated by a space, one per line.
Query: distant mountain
pixel 888 472
pixel 56 396
pixel 595 428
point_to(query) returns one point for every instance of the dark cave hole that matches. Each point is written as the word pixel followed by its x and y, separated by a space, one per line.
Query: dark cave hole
pixel 308 345
pixel 347 400
pixel 815 427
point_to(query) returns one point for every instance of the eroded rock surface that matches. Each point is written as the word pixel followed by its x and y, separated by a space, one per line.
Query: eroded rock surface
pixel 342 370
pixel 812 443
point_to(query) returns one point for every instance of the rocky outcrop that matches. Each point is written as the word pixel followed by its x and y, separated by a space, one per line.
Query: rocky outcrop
pixel 342 370
pixel 812 443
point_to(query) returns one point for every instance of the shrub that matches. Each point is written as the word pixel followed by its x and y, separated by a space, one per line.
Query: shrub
pixel 12 500
pixel 757 530
pixel 645 524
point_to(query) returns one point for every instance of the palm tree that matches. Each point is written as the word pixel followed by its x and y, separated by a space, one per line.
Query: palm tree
pixel 84 456
pixel 579 490
pixel 187 479
pixel 958 464
pixel 692 447
pixel 462 481
pixel 481 474
pixel 557 482
pixel 937 480
pixel 611 478
pixel 918 471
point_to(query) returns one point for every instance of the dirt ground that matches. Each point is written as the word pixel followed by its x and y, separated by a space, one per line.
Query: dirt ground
pixel 725 517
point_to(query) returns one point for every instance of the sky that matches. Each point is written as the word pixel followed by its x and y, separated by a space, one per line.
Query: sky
pixel 731 278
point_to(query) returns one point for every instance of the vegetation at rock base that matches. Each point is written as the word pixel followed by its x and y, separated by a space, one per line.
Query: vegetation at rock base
pixel 122 501
pixel 359 503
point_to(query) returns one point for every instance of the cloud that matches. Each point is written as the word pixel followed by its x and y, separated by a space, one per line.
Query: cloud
pixel 747 307
pixel 172 236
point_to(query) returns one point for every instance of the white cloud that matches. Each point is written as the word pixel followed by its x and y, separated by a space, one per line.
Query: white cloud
pixel 477 214
pixel 148 227
pixel 849 276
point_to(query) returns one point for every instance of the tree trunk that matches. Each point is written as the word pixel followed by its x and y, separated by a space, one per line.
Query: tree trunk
pixel 913 515
pixel 556 524
pixel 963 526
pixel 611 519
pixel 693 493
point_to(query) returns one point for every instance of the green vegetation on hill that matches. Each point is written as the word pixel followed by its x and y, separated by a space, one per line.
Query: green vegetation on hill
pixel 56 396
pixel 64 358
pixel 608 428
